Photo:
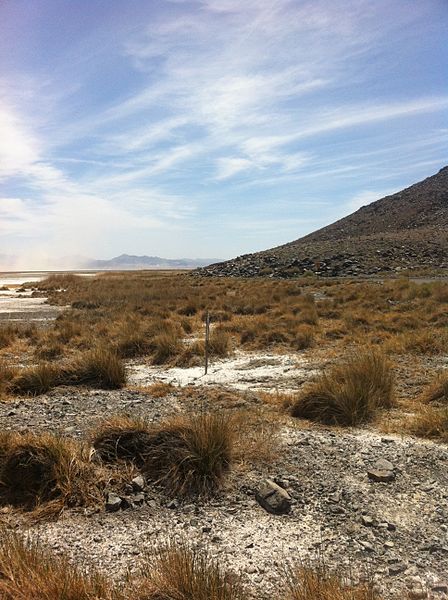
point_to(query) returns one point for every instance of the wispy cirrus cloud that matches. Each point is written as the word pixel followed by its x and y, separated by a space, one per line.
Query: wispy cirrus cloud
pixel 173 110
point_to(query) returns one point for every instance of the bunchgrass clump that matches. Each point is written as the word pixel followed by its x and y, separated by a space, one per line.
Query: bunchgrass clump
pixel 36 380
pixel 45 473
pixel 350 393
pixel 430 422
pixel 318 583
pixel 219 343
pixel 177 572
pixel 98 367
pixel 191 454
pixel 122 438
pixel 29 572
pixel 437 391
pixel 165 346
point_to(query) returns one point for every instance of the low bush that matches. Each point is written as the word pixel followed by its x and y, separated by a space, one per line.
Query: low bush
pixel 350 393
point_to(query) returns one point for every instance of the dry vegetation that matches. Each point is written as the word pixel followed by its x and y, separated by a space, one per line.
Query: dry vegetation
pixel 350 393
pixel 46 474
pixel 319 583
pixel 160 316
pixel 188 455
pixel 173 572
pixel 367 336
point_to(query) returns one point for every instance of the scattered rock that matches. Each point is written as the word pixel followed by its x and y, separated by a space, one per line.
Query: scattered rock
pixel 138 483
pixel 397 568
pixel 273 498
pixel 113 502
pixel 380 476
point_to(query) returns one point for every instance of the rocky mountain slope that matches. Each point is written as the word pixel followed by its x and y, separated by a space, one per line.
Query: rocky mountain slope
pixel 405 231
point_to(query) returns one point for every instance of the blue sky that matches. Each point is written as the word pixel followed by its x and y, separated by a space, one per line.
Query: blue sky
pixel 210 128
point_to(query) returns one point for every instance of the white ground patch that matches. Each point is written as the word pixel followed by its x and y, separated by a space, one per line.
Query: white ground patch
pixel 243 371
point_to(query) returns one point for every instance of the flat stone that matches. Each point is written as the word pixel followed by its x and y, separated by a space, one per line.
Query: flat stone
pixel 273 498
pixel 383 464
pixel 417 593
pixel 380 476
pixel 367 521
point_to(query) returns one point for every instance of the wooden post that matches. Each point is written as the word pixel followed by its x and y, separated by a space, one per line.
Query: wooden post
pixel 207 338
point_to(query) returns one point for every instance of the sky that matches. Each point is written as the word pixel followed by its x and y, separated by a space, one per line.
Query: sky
pixel 209 128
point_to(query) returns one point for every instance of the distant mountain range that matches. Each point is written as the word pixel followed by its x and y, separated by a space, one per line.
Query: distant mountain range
pixel 126 262
pixel 405 231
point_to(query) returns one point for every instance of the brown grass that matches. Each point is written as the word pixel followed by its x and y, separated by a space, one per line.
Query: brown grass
pixel 122 438
pixel 165 347
pixel 190 455
pixel 220 343
pixel 178 572
pixel 45 473
pixel 28 572
pixel 149 314
pixel 429 422
pixel 318 583
pixel 349 393
pixel 99 368
pixel 438 390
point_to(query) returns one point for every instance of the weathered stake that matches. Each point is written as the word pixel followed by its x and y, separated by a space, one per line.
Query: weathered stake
pixel 207 338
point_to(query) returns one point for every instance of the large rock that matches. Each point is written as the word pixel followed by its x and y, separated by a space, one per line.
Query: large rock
pixel 273 498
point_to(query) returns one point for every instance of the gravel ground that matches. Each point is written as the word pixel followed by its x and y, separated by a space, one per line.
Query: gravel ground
pixel 396 530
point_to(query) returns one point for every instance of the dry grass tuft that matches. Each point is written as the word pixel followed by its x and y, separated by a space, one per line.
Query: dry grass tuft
pixel 96 368
pixel 219 343
pixel 437 391
pixel 165 347
pixel 190 454
pixel 430 422
pixel 45 472
pixel 28 572
pixel 36 380
pixel 159 389
pixel 7 374
pixel 306 583
pixel 122 438
pixel 178 572
pixel 349 393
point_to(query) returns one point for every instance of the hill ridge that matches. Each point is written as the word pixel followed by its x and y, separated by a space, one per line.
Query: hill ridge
pixel 404 231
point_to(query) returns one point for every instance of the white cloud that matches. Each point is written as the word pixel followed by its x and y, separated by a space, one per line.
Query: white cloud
pixel 228 167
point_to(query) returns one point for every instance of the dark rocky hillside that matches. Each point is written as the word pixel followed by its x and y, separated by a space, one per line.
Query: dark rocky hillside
pixel 405 231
